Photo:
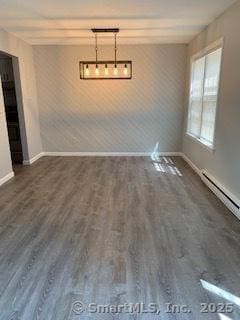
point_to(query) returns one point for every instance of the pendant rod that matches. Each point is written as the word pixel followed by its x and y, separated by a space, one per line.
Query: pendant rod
pixel 96 47
pixel 115 48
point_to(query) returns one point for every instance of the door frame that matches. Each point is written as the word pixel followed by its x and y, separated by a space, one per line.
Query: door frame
pixel 20 109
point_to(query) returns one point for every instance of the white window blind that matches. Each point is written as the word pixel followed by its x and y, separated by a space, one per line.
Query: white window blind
pixel 203 96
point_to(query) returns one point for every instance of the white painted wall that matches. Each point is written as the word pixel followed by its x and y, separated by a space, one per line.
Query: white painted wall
pixel 16 47
pixel 224 162
pixel 111 116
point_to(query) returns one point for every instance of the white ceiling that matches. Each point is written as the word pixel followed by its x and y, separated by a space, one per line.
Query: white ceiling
pixel 140 21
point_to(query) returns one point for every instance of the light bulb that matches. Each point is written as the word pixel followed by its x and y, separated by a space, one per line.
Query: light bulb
pixel 125 72
pixel 96 71
pixel 106 70
pixel 87 70
pixel 115 70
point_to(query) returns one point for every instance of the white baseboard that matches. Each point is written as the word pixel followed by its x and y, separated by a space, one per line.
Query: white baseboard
pixel 6 178
pixel 214 189
pixel 192 165
pixel 220 195
pixel 32 160
pixel 170 154
pixel 96 154
pixel 108 154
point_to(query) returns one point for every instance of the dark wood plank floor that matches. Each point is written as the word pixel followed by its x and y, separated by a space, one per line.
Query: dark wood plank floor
pixel 114 231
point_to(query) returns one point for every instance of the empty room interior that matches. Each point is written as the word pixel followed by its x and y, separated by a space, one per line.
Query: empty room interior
pixel 119 160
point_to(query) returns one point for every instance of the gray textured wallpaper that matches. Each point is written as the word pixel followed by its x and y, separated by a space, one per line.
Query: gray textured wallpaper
pixel 111 115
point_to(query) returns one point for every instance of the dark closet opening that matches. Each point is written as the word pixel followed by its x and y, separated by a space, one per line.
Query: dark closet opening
pixel 11 108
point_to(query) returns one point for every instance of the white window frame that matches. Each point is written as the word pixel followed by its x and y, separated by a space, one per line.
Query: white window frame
pixel 212 47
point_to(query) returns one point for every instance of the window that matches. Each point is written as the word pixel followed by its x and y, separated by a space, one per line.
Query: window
pixel 203 96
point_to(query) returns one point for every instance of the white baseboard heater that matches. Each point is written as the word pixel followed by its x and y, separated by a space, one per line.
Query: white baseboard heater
pixel 224 195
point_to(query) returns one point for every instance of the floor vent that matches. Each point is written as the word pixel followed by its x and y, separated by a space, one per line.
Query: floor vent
pixel 225 196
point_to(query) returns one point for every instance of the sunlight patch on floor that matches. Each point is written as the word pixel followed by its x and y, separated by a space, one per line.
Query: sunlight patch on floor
pixel 165 165
pixel 220 292
pixel 224 317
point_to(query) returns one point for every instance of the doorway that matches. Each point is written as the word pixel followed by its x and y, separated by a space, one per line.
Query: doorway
pixel 11 108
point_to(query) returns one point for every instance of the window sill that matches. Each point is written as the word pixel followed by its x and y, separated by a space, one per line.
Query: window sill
pixel 201 142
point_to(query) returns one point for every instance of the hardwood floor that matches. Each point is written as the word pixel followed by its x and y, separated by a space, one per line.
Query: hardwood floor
pixel 114 231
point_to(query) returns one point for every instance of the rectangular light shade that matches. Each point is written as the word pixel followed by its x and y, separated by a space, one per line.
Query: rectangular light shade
pixel 105 70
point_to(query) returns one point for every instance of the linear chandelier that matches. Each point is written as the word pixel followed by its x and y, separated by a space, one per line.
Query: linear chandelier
pixel 105 69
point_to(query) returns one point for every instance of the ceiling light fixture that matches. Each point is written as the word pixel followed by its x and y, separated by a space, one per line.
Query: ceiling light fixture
pixel 100 70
